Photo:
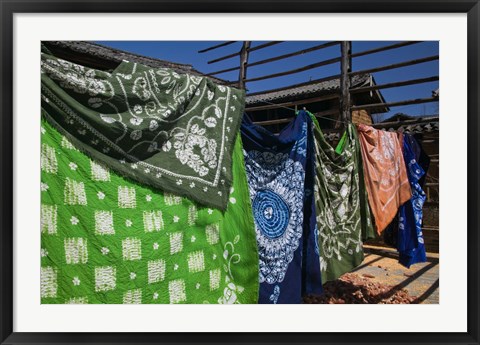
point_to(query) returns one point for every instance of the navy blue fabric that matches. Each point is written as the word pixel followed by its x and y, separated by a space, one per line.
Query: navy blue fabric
pixel 280 172
pixel 391 235
pixel 420 155
pixel 410 242
pixel 312 281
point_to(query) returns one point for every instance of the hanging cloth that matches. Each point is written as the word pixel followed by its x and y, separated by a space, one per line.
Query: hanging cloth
pixel 411 245
pixel 343 215
pixel 106 239
pixel 391 235
pixel 421 156
pixel 385 173
pixel 173 132
pixel 280 177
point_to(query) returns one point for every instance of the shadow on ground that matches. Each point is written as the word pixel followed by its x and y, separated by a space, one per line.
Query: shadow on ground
pixel 380 279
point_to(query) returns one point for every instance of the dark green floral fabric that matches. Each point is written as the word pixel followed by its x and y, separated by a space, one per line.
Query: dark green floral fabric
pixel 174 132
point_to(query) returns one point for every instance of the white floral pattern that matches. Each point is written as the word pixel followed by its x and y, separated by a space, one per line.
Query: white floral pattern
pixel 338 198
pixel 187 144
pixel 231 291
pixel 157 111
pixel 276 185
pixel 78 78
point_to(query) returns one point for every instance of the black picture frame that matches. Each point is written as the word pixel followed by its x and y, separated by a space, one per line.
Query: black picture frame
pixel 10 7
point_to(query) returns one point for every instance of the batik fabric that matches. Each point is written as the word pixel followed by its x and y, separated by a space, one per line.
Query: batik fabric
pixel 410 243
pixel 108 239
pixel 385 173
pixel 280 177
pixel 343 215
pixel 173 132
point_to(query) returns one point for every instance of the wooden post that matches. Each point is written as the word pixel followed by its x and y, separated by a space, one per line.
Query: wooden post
pixel 345 69
pixel 243 64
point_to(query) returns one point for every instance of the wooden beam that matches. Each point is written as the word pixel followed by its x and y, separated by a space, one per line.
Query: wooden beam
pixel 273 122
pixel 395 84
pixel 326 113
pixel 395 104
pixel 397 65
pixel 223 71
pixel 242 75
pixel 229 56
pixel 430 228
pixel 319 115
pixel 298 52
pixel 292 103
pixel 279 57
pixel 296 70
pixel 217 46
pixel 315 81
pixel 321 46
pixel 345 69
pixel 384 48
pixel 264 45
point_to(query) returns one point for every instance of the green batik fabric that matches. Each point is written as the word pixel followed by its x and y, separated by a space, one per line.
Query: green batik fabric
pixel 343 216
pixel 174 132
pixel 106 239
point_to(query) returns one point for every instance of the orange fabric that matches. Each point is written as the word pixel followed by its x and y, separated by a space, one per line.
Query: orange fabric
pixel 386 177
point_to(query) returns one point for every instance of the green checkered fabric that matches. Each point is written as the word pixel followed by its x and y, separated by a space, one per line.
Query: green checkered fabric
pixel 106 239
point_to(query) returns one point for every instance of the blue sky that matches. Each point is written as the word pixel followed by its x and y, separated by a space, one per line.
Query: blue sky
pixel 187 52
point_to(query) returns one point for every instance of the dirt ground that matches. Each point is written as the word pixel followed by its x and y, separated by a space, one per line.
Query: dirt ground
pixel 381 279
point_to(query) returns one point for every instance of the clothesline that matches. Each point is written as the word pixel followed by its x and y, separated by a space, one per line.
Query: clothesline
pixel 323 117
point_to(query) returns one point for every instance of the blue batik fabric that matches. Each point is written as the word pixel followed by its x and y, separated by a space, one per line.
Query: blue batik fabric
pixel 410 242
pixel 280 176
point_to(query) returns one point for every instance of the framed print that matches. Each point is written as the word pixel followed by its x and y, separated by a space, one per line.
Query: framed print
pixel 185 155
